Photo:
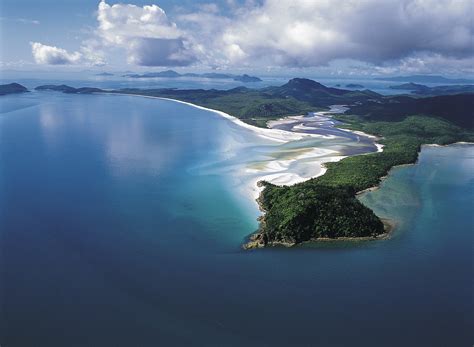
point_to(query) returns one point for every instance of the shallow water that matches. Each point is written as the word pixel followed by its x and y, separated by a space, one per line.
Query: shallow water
pixel 121 223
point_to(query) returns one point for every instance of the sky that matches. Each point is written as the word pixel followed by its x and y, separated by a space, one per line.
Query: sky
pixel 345 37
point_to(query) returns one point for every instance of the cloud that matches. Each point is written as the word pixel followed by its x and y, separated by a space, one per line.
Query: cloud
pixel 426 62
pixel 146 33
pixel 21 20
pixel 44 54
pixel 159 52
pixel 28 21
pixel 51 55
pixel 312 33
pixel 383 36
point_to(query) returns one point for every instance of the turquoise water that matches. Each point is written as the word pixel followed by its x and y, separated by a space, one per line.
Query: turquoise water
pixel 121 220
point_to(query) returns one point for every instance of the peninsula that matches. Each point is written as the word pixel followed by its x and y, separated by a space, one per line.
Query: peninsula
pixel 326 207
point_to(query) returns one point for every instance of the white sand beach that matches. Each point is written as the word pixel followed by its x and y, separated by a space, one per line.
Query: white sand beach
pixel 294 168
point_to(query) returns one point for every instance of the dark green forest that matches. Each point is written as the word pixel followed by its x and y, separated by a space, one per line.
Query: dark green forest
pixel 326 206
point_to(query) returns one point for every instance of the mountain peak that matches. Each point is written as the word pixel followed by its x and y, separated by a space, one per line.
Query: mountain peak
pixel 304 83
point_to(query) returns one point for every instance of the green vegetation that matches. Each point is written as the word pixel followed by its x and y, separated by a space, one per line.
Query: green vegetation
pixel 402 142
pixel 257 106
pixel 326 206
pixel 309 211
pixel 421 89
pixel 252 106
pixel 70 90
pixel 456 109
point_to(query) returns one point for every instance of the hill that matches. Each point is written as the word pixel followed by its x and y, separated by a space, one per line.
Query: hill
pixel 257 106
pixel 70 90
pixel 246 78
pixel 326 206
pixel 410 86
pixel 12 88
pixel 456 109
pixel 299 96
pixel 445 90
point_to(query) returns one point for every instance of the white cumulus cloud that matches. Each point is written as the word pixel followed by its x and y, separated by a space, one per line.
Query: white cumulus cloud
pixel 146 33
pixel 389 35
pixel 51 55
pixel 312 33
pixel 44 54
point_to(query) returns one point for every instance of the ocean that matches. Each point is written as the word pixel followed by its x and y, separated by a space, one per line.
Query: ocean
pixel 122 219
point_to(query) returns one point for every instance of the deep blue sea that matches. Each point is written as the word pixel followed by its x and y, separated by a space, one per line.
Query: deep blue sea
pixel 121 225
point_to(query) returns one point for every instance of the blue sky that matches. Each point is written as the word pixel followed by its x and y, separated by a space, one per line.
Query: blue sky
pixel 345 37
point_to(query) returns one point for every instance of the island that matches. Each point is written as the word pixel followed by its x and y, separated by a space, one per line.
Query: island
pixel 354 86
pixel 326 207
pixel 425 79
pixel 12 88
pixel 421 89
pixel 69 90
pixel 104 74
pixel 211 75
pixel 246 78
pixel 409 86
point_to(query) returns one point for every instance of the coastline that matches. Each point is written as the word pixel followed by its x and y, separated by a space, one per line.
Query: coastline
pixel 254 240
pixel 267 133
pixel 390 225
pixel 333 110
pixel 376 187
pixel 273 170
pixel 288 179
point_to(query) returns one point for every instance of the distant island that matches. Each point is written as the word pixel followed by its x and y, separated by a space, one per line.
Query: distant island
pixel 421 89
pixel 246 78
pixel 212 75
pixel 409 86
pixel 425 79
pixel 354 86
pixel 69 90
pixel 104 74
pixel 12 88
pixel 327 207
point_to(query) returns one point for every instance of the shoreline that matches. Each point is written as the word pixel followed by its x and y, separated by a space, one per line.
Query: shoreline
pixel 255 187
pixel 284 136
pixel 333 110
pixel 383 178
pixel 267 133
pixel 253 241
pixel 273 175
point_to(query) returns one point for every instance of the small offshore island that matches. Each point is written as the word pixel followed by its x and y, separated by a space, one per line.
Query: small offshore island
pixel 327 207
